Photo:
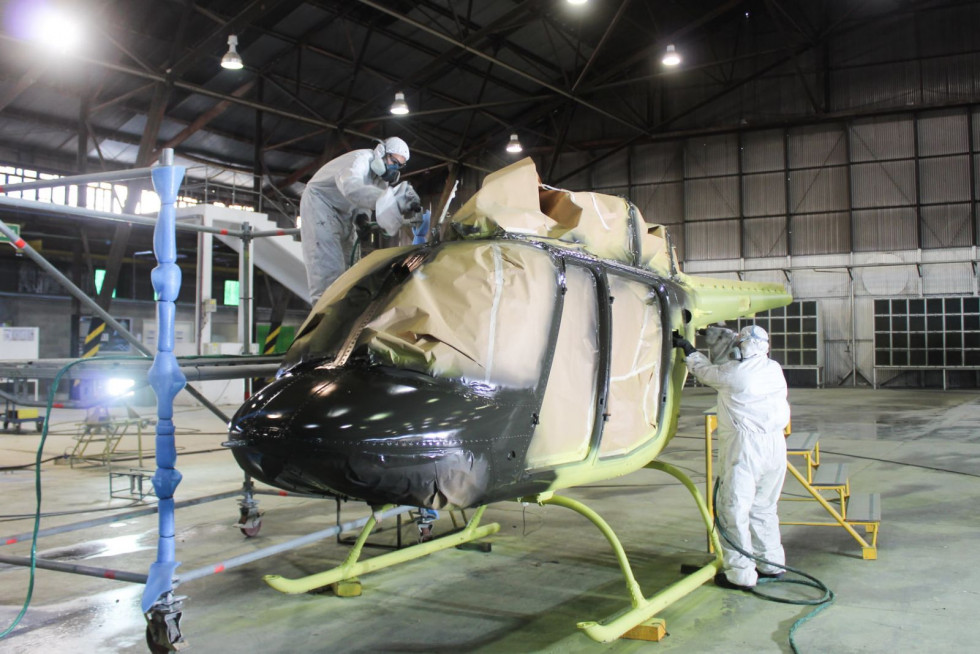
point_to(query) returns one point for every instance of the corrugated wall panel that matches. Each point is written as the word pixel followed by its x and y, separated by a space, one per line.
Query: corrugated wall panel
pixel 763 194
pixel 887 184
pixel 885 229
pixel 943 132
pixel 611 171
pixel 870 43
pixel 580 181
pixel 884 86
pixel 818 189
pixel 874 139
pixel 976 129
pixel 946 226
pixel 660 203
pixel 950 30
pixel 762 151
pixel 950 79
pixel 976 174
pixel 709 156
pixel 712 197
pixel 764 237
pixel 658 162
pixel 947 279
pixel 817 145
pixel 945 179
pixel 765 276
pixel 813 284
pixel 715 239
pixel 825 233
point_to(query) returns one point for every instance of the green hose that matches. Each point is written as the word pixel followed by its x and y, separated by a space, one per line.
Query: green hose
pixel 37 480
pixel 820 604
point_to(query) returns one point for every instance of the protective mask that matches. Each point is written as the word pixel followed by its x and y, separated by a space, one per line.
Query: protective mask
pixel 378 165
pixel 391 173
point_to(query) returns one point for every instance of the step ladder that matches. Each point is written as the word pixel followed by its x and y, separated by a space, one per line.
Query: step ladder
pixel 847 510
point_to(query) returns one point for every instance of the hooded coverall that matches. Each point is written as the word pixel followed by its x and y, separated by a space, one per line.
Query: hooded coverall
pixel 340 189
pixel 752 413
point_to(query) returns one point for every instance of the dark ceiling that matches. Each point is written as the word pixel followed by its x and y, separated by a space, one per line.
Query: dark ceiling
pixel 320 76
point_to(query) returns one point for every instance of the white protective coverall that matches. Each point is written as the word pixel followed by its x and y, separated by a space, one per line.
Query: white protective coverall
pixel 752 413
pixel 341 189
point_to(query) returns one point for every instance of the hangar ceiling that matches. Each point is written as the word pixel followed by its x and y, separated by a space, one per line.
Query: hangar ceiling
pixel 320 76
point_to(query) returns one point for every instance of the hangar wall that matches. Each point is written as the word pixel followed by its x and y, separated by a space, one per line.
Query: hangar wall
pixel 844 211
pixel 850 171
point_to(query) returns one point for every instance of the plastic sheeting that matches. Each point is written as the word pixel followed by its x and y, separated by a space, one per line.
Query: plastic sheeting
pixel 635 370
pixel 513 200
pixel 479 311
pixel 565 429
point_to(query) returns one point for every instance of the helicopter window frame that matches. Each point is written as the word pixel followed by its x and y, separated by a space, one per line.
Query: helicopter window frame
pixel 575 372
pixel 635 374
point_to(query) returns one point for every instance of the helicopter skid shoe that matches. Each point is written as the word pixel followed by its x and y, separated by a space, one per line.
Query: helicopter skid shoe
pixel 353 568
pixel 631 623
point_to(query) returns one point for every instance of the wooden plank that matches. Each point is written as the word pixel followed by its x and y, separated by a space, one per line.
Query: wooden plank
pixel 654 629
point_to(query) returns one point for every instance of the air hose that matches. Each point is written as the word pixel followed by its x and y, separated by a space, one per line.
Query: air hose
pixel 809 580
pixel 37 481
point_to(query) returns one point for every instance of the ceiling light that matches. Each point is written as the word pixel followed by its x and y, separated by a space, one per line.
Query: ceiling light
pixel 577 2
pixel 56 30
pixel 399 107
pixel 671 56
pixel 232 60
pixel 514 145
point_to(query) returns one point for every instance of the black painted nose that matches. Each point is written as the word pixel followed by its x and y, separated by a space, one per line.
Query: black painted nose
pixel 381 435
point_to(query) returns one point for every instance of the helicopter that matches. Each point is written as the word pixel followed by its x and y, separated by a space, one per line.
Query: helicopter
pixel 526 352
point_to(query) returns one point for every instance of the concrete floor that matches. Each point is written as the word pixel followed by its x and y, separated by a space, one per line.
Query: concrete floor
pixel 549 568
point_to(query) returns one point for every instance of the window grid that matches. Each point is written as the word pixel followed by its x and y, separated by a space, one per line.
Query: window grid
pixel 939 332
pixel 794 333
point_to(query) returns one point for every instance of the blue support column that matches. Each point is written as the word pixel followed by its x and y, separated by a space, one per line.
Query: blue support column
pixel 165 377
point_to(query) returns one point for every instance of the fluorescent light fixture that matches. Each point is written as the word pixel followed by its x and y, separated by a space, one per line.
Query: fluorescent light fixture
pixel 514 145
pixel 671 56
pixel 232 60
pixel 399 107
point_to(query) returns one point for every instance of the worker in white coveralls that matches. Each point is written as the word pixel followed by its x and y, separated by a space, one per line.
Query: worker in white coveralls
pixel 752 413
pixel 352 186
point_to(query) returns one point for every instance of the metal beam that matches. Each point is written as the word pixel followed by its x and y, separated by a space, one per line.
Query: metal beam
pixel 250 14
pixel 25 82
pixel 205 118
pixel 267 108
pixel 505 66
pixel 602 42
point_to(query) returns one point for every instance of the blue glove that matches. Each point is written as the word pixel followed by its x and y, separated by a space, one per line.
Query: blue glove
pixel 422 230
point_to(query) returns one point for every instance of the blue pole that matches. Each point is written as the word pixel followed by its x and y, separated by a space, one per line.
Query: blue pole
pixel 165 376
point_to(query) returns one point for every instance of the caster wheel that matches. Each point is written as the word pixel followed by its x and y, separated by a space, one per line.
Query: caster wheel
pixel 40 425
pixel 250 527
pixel 163 635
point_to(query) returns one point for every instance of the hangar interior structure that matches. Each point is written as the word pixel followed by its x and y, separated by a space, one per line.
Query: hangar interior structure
pixel 832 146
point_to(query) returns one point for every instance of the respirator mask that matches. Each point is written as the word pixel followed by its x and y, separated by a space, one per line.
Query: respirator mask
pixel 380 166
